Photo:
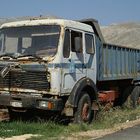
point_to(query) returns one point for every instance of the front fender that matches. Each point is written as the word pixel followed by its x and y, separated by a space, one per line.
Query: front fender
pixel 85 84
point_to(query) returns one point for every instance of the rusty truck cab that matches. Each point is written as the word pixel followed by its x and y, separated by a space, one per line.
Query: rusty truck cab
pixel 41 60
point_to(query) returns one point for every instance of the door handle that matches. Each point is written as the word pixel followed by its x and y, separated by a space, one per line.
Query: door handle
pixel 84 66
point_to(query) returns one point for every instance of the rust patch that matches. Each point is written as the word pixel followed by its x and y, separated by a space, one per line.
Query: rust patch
pixel 85 112
pixel 108 96
pixel 4 115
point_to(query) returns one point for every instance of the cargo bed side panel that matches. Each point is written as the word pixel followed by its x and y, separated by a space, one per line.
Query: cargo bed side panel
pixel 116 62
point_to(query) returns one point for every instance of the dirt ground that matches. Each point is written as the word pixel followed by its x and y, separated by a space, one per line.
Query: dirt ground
pixel 22 137
pixel 94 134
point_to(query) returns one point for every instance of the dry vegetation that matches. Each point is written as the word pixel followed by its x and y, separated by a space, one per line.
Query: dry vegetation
pixel 107 122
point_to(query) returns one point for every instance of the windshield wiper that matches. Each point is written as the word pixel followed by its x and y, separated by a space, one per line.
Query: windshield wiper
pixel 19 56
pixel 29 56
pixel 9 55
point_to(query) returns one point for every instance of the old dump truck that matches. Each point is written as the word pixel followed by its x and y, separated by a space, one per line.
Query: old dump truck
pixel 65 67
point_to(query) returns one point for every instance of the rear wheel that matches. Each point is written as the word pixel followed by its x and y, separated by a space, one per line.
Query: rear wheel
pixel 135 97
pixel 125 94
pixel 132 97
pixel 84 111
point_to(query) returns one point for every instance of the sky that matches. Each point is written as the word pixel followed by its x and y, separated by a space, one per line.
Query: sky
pixel 105 11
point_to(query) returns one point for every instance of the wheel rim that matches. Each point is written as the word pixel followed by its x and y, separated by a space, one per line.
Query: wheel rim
pixel 85 112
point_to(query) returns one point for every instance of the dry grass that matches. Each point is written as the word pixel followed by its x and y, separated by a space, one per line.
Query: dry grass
pixel 52 130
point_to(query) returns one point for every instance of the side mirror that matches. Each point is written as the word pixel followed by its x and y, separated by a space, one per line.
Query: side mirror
pixel 0 44
pixel 1 41
pixel 78 44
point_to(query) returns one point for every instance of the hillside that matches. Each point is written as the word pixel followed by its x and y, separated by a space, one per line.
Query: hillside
pixel 127 34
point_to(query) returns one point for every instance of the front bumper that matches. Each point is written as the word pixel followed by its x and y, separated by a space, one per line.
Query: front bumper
pixel 31 102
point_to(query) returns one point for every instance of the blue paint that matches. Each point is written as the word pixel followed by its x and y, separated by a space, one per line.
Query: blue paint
pixel 116 62
pixel 72 67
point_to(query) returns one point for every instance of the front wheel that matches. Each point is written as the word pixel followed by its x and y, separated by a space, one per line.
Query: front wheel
pixel 84 110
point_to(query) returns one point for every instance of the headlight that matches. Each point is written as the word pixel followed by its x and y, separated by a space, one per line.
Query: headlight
pixel 46 104
pixel 43 104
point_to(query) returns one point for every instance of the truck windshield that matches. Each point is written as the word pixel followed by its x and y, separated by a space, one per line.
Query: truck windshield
pixel 34 40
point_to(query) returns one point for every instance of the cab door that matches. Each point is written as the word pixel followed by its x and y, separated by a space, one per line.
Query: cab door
pixel 73 60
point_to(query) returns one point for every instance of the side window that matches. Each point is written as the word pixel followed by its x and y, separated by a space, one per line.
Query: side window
pixel 76 42
pixel 23 44
pixel 66 47
pixel 89 42
pixel 11 44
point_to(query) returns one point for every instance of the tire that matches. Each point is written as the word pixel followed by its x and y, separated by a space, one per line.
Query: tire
pixel 13 115
pixel 135 97
pixel 125 94
pixel 83 113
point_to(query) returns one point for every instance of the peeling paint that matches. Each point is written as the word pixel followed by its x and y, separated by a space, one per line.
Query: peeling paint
pixel 62 22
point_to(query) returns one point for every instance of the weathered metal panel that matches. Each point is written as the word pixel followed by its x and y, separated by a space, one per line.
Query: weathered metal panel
pixel 95 26
pixel 29 77
pixel 117 62
pixel 36 22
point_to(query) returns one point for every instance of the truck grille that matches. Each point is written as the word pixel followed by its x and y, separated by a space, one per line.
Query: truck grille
pixel 25 80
